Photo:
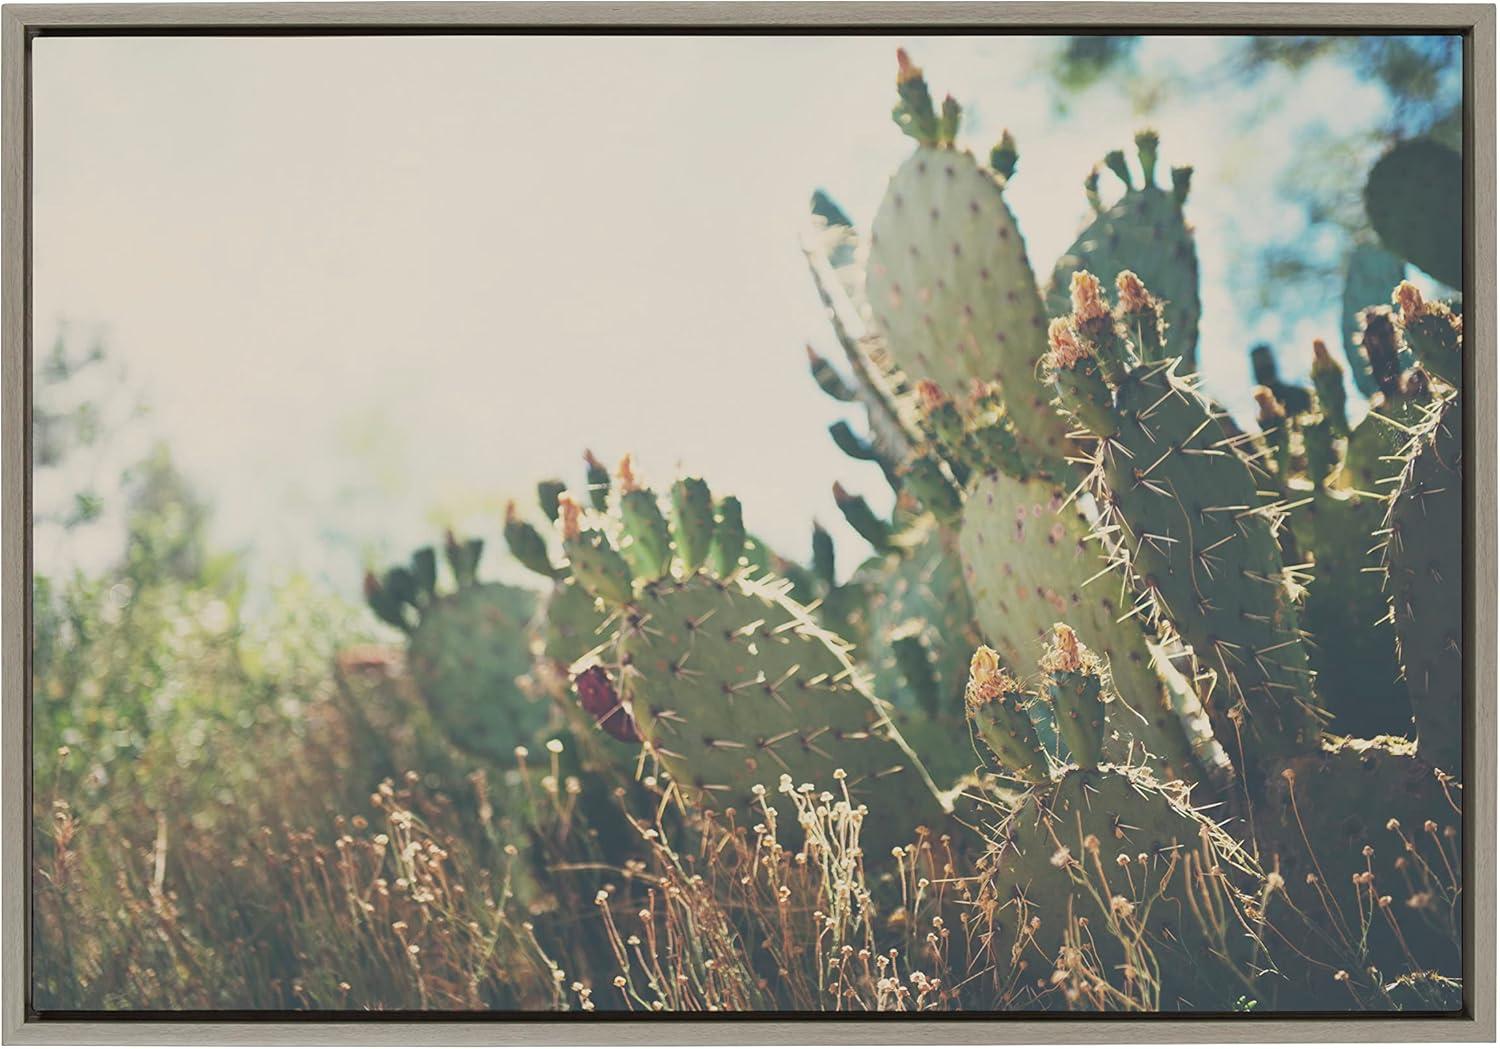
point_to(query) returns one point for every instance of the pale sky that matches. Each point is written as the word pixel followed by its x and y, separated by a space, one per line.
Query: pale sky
pixel 374 285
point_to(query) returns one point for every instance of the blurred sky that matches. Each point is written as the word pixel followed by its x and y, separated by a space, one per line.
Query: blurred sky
pixel 375 285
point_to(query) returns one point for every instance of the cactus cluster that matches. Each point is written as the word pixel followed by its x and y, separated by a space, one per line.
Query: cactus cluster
pixel 1184 696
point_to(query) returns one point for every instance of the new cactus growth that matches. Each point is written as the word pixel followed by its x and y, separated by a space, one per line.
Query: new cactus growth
pixel 1075 692
pixel 998 713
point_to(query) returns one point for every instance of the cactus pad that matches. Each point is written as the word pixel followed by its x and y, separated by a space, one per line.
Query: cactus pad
pixel 1425 576
pixel 465 656
pixel 1144 232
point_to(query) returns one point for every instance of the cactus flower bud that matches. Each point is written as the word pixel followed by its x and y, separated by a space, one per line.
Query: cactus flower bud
pixel 569 512
pixel 1088 298
pixel 1409 300
pixel 906 70
pixel 1134 298
pixel 1064 654
pixel 1065 350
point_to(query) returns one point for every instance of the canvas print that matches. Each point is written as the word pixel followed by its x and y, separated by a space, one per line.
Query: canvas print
pixel 562 525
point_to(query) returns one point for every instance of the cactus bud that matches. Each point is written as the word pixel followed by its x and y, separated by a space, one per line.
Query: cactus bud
pixel 862 519
pixel 906 69
pixel 547 495
pixel 1003 156
pixel 527 545
pixel 828 380
pixel 1379 343
pixel 424 571
pixel 1433 331
pixel 729 538
pixel 823 555
pixel 1182 180
pixel 569 511
pixel 1115 161
pixel 597 477
pixel 692 521
pixel 1087 297
pixel 1408 299
pixel 1091 189
pixel 1064 654
pixel 625 473
pixel 1076 693
pixel 1064 349
pixel 996 709
pixel 948 121
pixel 1328 381
pixel 1146 143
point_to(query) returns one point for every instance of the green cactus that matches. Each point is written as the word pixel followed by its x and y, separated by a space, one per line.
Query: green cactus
pixel 1086 875
pixel 918 624
pixel 1423 579
pixel 949 282
pixel 1366 838
pixel 466 650
pixel 1332 530
pixel 1143 232
pixel 733 685
pixel 1414 198
pixel 1193 534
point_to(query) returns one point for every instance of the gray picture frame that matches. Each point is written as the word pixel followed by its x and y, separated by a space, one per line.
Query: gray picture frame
pixel 24 22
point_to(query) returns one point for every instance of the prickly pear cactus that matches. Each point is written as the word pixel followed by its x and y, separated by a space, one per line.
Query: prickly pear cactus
pixel 466 650
pixel 919 626
pixel 1365 838
pixel 1084 892
pixel 1332 529
pixel 733 685
pixel 949 282
pixel 1197 542
pixel 1430 236
pixel 1023 539
pixel 1424 581
pixel 1144 232
pixel 1085 875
